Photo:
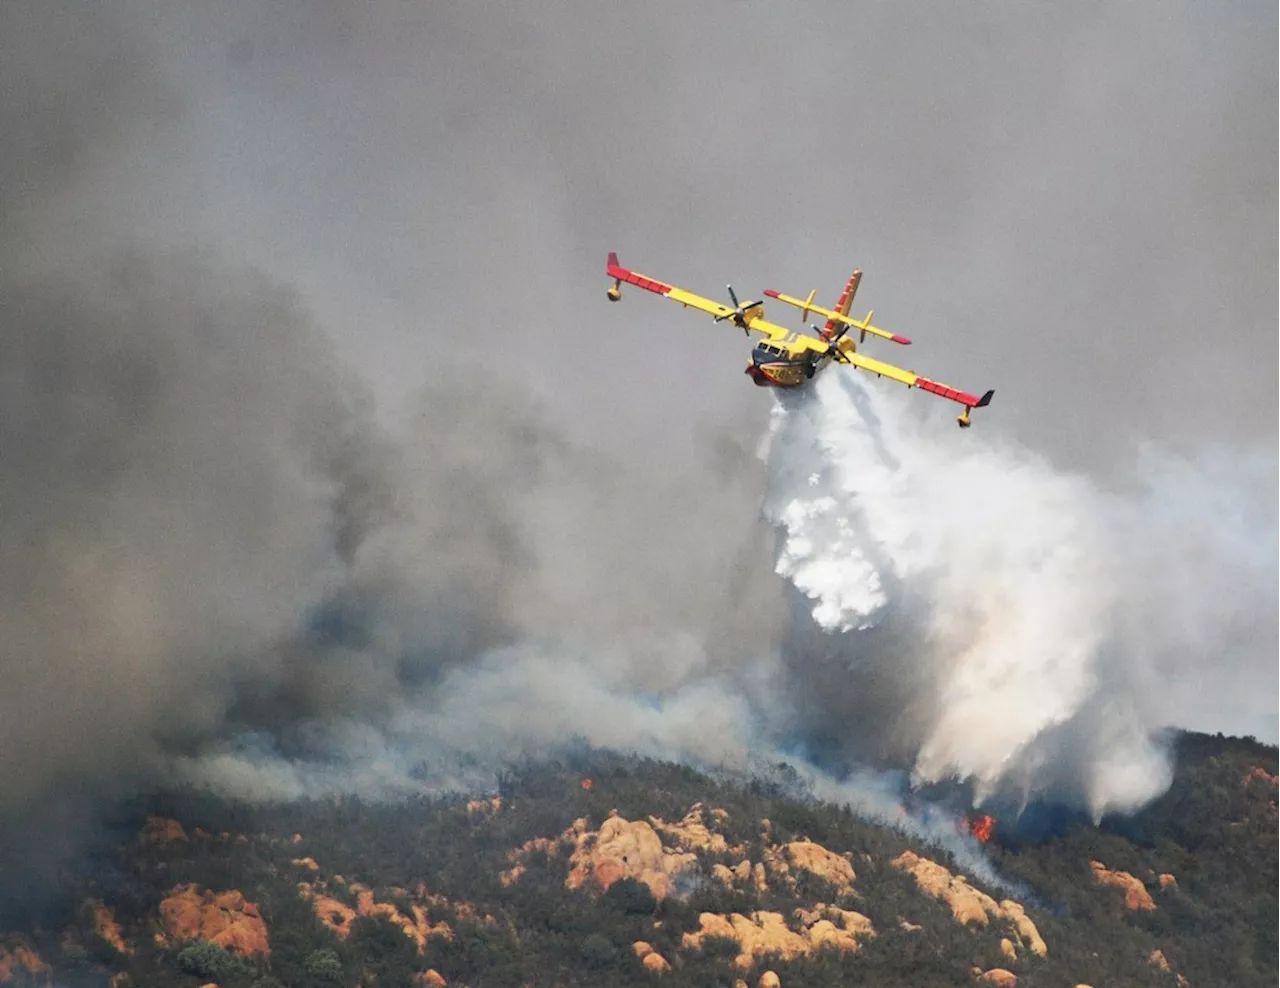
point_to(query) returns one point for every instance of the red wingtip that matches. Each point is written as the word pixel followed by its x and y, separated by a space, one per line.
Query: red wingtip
pixel 613 260
pixel 901 339
pixel 771 293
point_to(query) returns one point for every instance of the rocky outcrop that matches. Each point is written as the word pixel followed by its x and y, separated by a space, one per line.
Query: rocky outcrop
pixel 21 960
pixel 655 963
pixel 520 856
pixel 769 979
pixel 1167 882
pixel 650 958
pixel 657 853
pixel 333 913
pixel 968 904
pixel 1257 773
pixel 1136 896
pixel 625 849
pixel 339 916
pixel 692 832
pixel 481 808
pixel 431 978
pixel 158 830
pixel 106 927
pixel 999 978
pixel 806 856
pixel 308 863
pixel 1159 961
pixel 226 918
pixel 620 849
pixel 767 933
pixel 1007 950
pixel 1028 935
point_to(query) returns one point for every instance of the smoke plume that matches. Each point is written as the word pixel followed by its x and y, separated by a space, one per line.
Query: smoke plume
pixel 996 619
pixel 319 475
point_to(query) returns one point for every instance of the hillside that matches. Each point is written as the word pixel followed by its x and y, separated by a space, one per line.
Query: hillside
pixel 609 871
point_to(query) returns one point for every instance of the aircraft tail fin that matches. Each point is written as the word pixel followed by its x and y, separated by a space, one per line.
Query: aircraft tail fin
pixel 846 300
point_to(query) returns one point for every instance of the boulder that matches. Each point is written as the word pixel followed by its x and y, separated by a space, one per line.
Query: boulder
pixel 769 980
pixel 970 905
pixel 226 918
pixel 1136 896
pixel 338 916
pixel 807 856
pixel 158 830
pixel 626 849
pixel 655 963
pixel 998 977
pixel 692 832
pixel 766 933
pixel 1027 932
pixel 967 904
pixel 105 925
pixel 21 958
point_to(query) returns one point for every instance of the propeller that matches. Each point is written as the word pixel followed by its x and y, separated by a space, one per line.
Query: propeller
pixel 833 350
pixel 739 313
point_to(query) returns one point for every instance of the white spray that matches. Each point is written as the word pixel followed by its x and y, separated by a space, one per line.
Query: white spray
pixel 1027 601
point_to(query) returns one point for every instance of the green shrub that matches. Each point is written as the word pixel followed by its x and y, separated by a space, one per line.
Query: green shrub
pixel 205 959
pixel 323 967
pixel 633 898
pixel 598 951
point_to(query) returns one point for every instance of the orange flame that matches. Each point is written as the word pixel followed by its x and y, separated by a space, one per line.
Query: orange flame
pixel 981 827
pixel 586 783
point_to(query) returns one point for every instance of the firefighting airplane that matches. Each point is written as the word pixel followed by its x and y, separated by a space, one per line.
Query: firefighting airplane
pixel 784 359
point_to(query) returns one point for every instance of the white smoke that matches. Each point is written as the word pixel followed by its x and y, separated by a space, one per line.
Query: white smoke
pixel 969 612
pixel 1052 625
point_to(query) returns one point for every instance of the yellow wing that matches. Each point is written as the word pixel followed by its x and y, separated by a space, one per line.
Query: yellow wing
pixel 851 356
pixel 833 316
pixel 751 316
pixel 911 379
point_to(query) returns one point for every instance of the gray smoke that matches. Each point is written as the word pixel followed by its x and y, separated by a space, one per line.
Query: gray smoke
pixel 327 468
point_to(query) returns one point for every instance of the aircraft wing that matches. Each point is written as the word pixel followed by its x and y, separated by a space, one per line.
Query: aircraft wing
pixel 864 326
pixel 753 313
pixel 914 380
pixel 880 368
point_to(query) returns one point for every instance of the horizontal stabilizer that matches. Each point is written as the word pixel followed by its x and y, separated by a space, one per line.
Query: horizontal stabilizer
pixel 838 317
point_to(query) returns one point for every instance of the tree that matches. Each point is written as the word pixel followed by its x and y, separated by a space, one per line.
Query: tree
pixel 386 955
pixel 632 897
pixel 598 952
pixel 323 968
pixel 206 959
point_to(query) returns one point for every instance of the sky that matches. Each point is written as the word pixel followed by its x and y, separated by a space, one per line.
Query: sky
pixel 314 401
pixel 1076 210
